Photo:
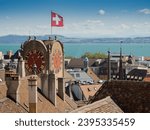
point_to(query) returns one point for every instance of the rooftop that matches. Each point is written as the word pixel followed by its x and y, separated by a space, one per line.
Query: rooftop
pixel 106 105
pixel 79 63
pixel 89 90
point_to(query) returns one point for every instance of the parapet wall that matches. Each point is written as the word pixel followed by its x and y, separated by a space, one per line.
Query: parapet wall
pixel 130 96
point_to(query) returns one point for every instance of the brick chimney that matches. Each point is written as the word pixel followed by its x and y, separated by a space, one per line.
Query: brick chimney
pixel 32 83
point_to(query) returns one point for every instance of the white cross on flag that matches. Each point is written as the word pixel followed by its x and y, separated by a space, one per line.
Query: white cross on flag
pixel 56 20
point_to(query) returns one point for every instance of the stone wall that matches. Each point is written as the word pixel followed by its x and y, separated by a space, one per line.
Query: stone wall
pixel 2 74
pixel 3 90
pixel 130 96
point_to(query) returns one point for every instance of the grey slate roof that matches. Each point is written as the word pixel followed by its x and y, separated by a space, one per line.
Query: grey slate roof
pixel 81 76
pixel 78 63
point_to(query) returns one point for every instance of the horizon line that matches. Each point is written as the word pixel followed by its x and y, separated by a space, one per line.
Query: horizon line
pixel 74 36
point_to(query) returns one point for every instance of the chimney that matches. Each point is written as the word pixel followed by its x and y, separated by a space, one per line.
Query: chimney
pixel 32 83
pixel 13 84
pixel 49 86
pixel 61 88
pixel 10 54
pixel 44 84
pixel 21 67
pixel 52 85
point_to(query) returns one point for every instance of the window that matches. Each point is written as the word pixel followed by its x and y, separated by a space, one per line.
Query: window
pixel 77 75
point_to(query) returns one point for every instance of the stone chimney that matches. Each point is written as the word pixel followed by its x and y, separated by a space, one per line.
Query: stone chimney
pixel 32 83
pixel 61 88
pixel 21 67
pixel 9 53
pixel 52 85
pixel 13 84
pixel 44 84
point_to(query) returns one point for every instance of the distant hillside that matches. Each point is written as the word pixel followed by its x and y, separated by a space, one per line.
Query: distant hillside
pixel 21 39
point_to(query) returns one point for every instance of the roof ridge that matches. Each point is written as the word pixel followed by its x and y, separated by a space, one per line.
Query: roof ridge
pixel 3 99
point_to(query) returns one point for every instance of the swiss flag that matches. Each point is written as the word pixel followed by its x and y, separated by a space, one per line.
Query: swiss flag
pixel 56 20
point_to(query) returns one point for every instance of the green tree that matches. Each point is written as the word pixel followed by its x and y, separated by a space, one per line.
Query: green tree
pixel 69 57
pixel 97 55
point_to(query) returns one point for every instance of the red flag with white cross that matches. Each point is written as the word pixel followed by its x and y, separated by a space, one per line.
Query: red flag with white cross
pixel 56 20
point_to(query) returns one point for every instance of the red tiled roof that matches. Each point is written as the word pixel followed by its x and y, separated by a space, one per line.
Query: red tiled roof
pixel 92 75
pixel 9 106
pixel 43 105
pixel 106 105
pixel 89 90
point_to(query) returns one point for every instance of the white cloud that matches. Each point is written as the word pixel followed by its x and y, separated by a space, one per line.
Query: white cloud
pixel 42 27
pixel 101 12
pixel 94 23
pixel 84 28
pixel 125 26
pixel 145 11
pixel 88 27
pixel 97 28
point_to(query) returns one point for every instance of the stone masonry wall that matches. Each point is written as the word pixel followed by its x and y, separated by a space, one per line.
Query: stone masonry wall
pixel 130 96
pixel 2 74
pixel 3 90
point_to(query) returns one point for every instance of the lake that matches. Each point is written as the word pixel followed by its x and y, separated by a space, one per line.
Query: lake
pixel 78 49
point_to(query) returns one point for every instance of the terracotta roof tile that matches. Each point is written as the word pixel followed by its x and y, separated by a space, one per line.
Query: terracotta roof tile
pixel 92 75
pixel 3 90
pixel 44 105
pixel 106 105
pixel 89 90
pixel 9 106
pixel 68 76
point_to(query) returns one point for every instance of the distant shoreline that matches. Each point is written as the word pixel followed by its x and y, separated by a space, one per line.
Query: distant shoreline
pixel 10 39
pixel 78 49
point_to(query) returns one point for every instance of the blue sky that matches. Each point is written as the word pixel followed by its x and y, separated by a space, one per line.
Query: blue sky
pixel 82 18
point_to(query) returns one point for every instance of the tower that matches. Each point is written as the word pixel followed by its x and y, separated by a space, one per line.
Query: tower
pixel 48 57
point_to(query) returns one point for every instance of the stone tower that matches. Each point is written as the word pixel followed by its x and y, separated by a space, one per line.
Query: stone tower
pixel 48 56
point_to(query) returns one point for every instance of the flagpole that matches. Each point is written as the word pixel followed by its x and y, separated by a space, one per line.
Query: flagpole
pixel 51 31
pixel 51 24
pixel 56 21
